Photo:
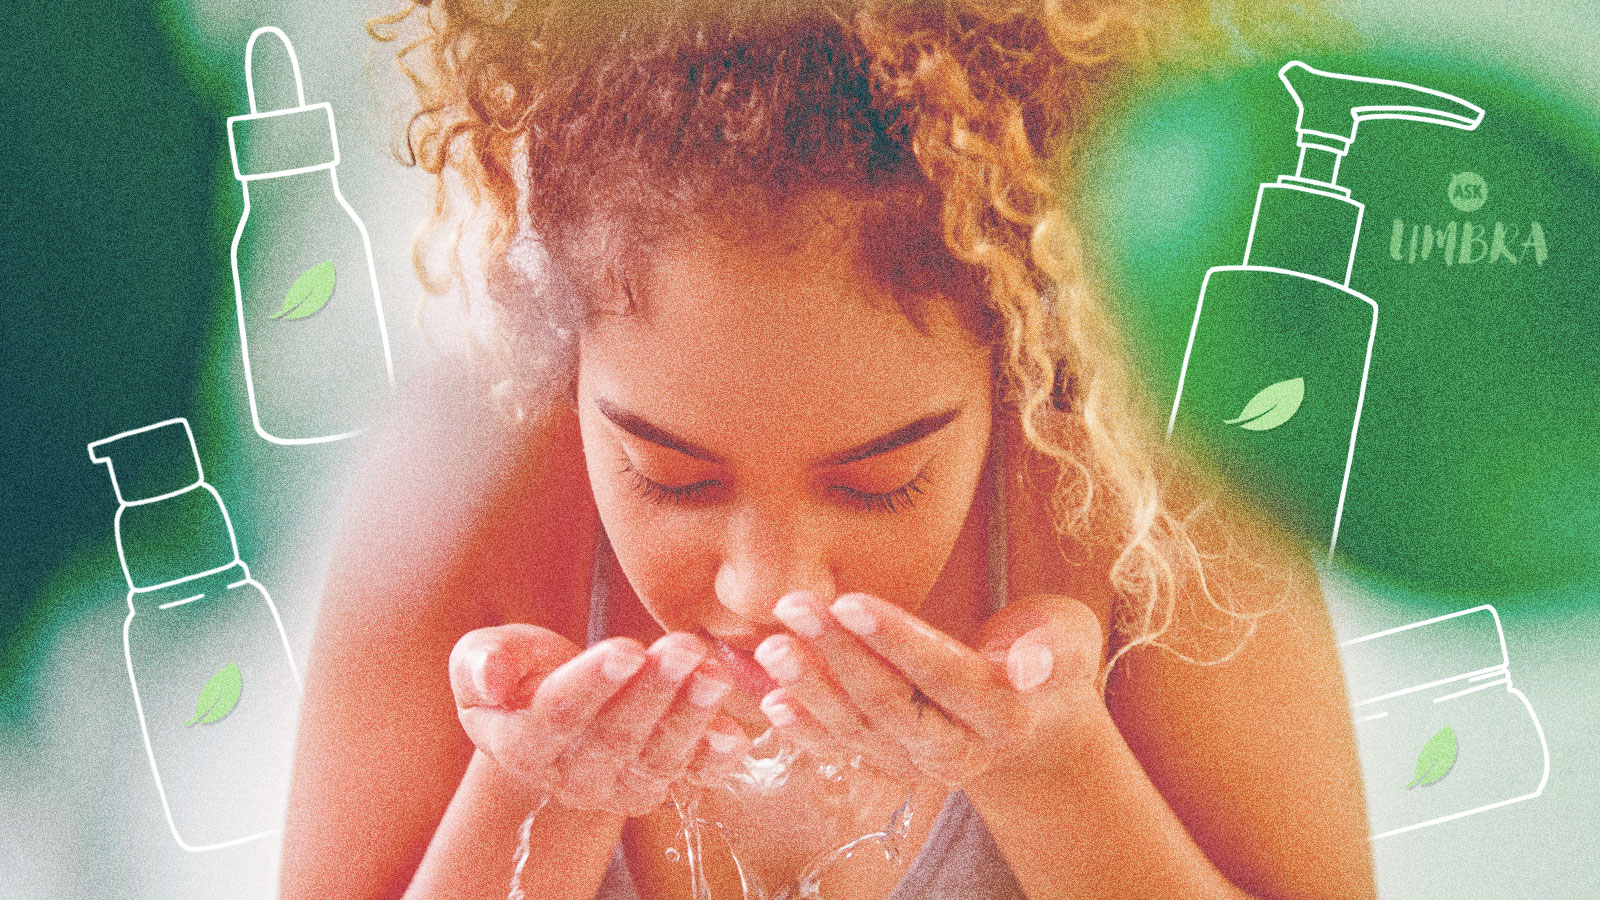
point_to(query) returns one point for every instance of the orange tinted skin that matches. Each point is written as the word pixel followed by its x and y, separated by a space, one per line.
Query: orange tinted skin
pixel 770 362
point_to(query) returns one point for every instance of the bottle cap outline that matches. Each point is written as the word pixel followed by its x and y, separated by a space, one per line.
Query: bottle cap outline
pixel 302 137
pixel 99 452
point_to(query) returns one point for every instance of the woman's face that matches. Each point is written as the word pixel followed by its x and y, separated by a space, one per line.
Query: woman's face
pixel 760 427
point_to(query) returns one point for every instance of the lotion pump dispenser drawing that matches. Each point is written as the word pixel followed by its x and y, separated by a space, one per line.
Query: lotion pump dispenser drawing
pixel 214 683
pixel 1275 372
pixel 316 354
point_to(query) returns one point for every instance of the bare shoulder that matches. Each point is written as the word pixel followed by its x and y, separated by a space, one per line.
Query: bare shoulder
pixel 456 519
pixel 1257 754
pixel 453 499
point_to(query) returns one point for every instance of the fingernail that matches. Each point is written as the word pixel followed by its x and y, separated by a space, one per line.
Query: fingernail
pixel 1030 666
pixel 852 615
pixel 722 743
pixel 796 613
pixel 706 692
pixel 778 713
pixel 477 662
pixel 620 665
pixel 678 662
pixel 778 661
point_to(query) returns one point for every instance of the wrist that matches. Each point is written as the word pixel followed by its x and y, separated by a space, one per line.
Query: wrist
pixel 1059 751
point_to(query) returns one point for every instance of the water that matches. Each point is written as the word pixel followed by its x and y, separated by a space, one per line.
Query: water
pixel 766 771
pixel 523 848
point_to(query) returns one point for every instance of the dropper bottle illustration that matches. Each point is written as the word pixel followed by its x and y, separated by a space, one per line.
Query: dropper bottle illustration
pixel 214 682
pixel 316 352
pixel 1275 372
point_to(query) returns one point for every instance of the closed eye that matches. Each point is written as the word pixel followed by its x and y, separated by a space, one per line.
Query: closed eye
pixel 884 502
pixel 893 501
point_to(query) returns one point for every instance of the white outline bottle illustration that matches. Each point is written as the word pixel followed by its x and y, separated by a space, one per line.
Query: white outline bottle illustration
pixel 1407 692
pixel 213 679
pixel 1275 372
pixel 316 362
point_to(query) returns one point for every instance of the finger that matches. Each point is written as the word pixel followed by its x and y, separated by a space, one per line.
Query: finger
pixel 720 752
pixel 797 725
pixel 490 669
pixel 803 673
pixel 492 666
pixel 620 730
pixel 668 753
pixel 973 689
pixel 1063 626
pixel 939 746
pixel 529 740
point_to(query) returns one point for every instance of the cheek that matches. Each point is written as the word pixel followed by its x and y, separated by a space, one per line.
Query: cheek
pixel 662 552
pixel 672 557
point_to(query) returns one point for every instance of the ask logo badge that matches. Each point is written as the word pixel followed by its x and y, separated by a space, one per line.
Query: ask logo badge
pixel 1467 242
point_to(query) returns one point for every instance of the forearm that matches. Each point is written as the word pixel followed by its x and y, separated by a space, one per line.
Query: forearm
pixel 1092 825
pixel 472 852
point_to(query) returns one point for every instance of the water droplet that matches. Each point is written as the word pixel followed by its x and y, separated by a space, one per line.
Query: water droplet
pixel 672 854
pixel 830 772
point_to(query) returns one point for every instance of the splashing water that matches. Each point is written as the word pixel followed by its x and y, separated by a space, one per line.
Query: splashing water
pixel 762 775
pixel 521 858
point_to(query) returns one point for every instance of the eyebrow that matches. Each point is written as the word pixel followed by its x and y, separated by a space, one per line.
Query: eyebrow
pixel 906 434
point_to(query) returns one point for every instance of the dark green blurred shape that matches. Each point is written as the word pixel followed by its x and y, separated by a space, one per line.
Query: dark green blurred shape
pixel 1477 465
pixel 115 256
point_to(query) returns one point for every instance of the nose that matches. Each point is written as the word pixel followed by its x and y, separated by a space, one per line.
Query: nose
pixel 771 554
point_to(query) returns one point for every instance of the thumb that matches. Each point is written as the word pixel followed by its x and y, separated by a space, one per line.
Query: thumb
pixel 1065 649
pixel 493 667
pixel 1031 659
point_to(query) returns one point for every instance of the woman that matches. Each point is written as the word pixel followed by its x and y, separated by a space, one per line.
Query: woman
pixel 812 423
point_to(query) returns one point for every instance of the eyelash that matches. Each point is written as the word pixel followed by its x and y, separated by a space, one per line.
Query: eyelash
pixel 891 502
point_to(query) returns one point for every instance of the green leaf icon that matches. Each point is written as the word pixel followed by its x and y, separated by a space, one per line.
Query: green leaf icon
pixel 309 293
pixel 1438 755
pixel 1275 405
pixel 218 697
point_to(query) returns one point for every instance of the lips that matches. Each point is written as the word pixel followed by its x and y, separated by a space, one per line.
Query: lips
pixel 747 673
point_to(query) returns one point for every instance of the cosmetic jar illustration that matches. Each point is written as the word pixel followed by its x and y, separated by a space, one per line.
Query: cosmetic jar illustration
pixel 316 354
pixel 1275 370
pixel 214 682
pixel 1442 732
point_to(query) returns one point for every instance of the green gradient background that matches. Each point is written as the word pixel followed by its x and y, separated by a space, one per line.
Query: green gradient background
pixel 1477 474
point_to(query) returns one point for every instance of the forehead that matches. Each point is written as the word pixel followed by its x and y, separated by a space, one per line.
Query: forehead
pixel 796 340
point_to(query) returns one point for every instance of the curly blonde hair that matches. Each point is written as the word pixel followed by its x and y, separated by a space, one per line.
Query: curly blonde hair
pixel 950 126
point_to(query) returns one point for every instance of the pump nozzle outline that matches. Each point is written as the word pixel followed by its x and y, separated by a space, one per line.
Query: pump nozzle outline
pixel 95 454
pixel 1325 134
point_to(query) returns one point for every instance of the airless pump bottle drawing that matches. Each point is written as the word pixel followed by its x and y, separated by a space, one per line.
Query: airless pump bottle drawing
pixel 214 683
pixel 316 354
pixel 1275 371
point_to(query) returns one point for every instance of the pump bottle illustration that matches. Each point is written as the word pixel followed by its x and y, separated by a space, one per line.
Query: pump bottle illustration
pixel 1275 371
pixel 316 354
pixel 214 683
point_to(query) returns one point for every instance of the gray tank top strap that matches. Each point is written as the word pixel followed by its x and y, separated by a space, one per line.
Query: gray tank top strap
pixel 995 466
pixel 598 589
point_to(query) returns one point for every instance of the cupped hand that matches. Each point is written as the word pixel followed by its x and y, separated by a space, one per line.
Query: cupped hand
pixel 865 678
pixel 612 727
